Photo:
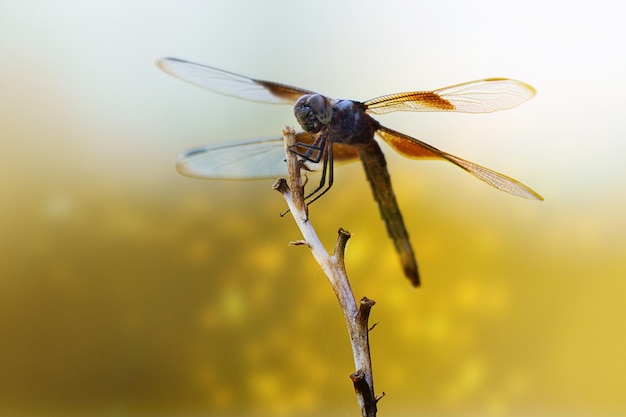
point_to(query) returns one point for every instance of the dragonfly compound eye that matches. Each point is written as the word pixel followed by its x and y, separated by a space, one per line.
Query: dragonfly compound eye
pixel 313 112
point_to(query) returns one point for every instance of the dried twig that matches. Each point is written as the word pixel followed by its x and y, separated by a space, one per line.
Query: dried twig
pixel 334 268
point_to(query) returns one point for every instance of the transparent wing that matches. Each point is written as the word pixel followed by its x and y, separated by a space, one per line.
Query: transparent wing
pixel 230 84
pixel 249 160
pixel 482 96
pixel 413 148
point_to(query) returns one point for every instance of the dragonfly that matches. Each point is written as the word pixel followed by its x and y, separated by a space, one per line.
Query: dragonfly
pixel 337 130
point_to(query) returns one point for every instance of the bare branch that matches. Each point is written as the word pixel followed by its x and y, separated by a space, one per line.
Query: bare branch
pixel 334 269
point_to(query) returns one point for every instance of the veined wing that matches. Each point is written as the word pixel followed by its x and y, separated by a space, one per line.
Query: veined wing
pixel 230 84
pixel 249 160
pixel 413 148
pixel 482 96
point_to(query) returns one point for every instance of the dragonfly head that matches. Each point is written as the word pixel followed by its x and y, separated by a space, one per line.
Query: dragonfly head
pixel 313 111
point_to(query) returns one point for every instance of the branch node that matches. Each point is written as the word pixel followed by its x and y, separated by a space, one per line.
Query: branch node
pixel 281 186
pixel 299 242
pixel 379 397
pixel 364 391
pixel 365 306
pixel 340 247
pixel 357 376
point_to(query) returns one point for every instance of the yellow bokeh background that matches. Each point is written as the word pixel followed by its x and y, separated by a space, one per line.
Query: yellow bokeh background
pixel 128 290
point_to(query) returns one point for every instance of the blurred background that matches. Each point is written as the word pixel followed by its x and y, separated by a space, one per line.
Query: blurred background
pixel 128 290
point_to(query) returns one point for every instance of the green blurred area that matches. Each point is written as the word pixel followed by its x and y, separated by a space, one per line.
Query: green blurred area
pixel 127 290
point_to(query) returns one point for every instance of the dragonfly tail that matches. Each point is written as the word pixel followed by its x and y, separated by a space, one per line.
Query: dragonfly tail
pixel 376 171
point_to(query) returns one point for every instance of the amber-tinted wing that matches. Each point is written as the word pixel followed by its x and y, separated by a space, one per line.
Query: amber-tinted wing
pixel 230 84
pixel 413 148
pixel 249 160
pixel 482 96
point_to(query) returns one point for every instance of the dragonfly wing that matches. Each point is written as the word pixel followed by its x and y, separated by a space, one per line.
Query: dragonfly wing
pixel 482 96
pixel 413 148
pixel 230 84
pixel 251 159
pixel 258 159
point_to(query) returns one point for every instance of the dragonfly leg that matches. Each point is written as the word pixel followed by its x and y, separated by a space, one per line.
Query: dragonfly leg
pixel 320 150
pixel 323 185
pixel 314 151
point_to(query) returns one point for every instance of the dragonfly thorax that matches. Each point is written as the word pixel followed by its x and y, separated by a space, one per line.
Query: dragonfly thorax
pixel 350 124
